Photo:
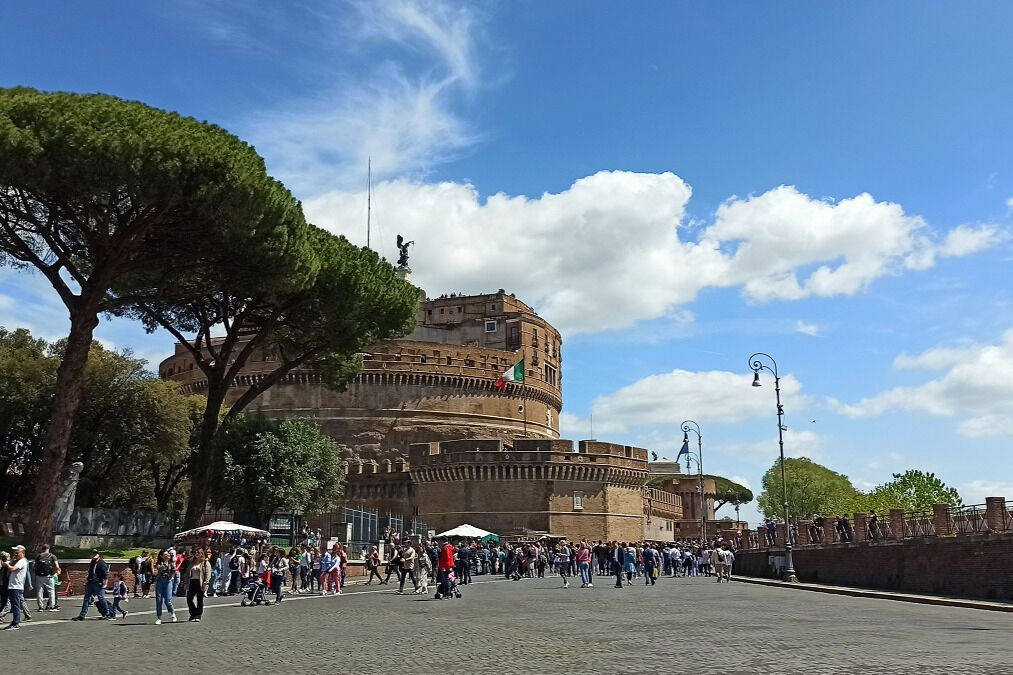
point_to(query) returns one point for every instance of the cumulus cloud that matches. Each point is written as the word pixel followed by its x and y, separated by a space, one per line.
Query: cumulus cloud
pixel 810 329
pixel 607 252
pixel 977 384
pixel 667 399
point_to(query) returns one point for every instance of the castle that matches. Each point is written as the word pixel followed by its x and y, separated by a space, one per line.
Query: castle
pixel 430 436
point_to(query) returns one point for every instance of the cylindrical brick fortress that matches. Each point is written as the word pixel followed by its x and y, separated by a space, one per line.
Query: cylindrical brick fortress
pixel 437 384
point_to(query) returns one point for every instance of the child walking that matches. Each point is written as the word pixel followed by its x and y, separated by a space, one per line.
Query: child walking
pixel 119 591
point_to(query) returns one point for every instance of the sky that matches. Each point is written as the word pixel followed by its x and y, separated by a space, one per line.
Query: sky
pixel 675 187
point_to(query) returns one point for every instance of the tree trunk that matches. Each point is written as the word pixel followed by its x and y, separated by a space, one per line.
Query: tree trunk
pixel 202 464
pixel 69 386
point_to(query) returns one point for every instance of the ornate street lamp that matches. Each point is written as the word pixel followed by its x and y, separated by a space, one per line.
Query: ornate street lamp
pixel 757 362
pixel 688 426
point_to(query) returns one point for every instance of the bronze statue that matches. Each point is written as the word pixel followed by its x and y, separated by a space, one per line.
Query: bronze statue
pixel 402 245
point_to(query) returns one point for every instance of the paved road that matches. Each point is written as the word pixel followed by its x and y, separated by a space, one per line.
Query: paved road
pixel 679 626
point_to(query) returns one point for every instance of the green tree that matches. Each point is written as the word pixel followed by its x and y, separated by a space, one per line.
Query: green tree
pixel 354 299
pixel 727 491
pixel 912 490
pixel 812 488
pixel 273 465
pixel 115 202
pixel 27 381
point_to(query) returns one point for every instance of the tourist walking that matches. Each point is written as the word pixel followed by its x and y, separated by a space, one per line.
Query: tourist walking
pixel 584 565
pixel 165 570
pixel 95 588
pixel 136 563
pixel 408 560
pixel 148 570
pixel 373 566
pixel 563 563
pixel 199 576
pixel 18 573
pixel 729 559
pixel 618 559
pixel 650 558
pixel 278 565
pixel 119 591
pixel 46 567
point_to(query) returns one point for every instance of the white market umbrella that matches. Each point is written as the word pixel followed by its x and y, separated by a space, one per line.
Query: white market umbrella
pixel 466 532
pixel 222 527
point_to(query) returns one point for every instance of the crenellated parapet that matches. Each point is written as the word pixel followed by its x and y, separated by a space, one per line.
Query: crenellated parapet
pixel 528 459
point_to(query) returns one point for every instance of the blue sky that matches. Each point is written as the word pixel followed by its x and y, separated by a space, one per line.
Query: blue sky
pixel 675 187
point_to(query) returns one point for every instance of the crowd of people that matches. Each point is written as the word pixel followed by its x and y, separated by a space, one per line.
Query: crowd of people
pixel 266 573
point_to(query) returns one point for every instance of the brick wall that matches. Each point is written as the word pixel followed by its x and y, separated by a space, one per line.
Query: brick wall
pixel 967 566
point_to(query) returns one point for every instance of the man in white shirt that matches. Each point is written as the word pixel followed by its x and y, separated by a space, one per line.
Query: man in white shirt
pixel 729 559
pixel 16 585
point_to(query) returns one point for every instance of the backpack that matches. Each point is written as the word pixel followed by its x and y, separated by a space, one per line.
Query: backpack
pixel 234 563
pixel 44 566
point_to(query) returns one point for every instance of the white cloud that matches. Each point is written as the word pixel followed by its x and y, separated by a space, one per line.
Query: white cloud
pixel 977 384
pixel 808 328
pixel 741 480
pixel 667 399
pixel 606 252
pixel 401 113
pixel 796 444
pixel 1009 203
pixel 975 491
pixel 964 240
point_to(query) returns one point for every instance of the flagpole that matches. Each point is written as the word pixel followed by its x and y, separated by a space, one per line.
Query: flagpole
pixel 524 404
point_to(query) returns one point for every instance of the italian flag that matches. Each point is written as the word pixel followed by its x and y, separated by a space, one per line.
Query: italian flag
pixel 514 373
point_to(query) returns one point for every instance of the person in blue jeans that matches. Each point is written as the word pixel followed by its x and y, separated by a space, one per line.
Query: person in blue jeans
pixel 16 585
pixel 165 572
pixel 95 588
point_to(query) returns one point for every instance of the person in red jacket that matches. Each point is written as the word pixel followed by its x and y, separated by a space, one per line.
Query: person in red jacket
pixel 444 567
pixel 446 557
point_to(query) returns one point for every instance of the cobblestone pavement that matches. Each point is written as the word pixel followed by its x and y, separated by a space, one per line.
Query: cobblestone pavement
pixel 678 626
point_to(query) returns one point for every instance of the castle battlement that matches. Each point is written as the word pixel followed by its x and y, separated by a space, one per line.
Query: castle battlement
pixel 527 459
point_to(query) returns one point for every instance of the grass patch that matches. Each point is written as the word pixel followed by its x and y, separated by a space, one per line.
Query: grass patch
pixel 70 553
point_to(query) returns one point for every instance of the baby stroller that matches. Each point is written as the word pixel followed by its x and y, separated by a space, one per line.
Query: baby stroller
pixel 447 586
pixel 256 589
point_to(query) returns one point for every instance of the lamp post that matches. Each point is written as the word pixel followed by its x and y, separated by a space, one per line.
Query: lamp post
pixel 688 426
pixel 757 362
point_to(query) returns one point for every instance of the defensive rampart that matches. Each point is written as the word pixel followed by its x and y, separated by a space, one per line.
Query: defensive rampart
pixel 958 551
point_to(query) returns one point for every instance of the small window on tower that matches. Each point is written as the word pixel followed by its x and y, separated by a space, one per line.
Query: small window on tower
pixel 578 501
pixel 490 326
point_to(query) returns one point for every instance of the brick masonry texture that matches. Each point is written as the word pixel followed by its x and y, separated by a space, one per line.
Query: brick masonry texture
pixel 967 566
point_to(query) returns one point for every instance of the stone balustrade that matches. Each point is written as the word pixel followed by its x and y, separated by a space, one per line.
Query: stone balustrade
pixel 995 516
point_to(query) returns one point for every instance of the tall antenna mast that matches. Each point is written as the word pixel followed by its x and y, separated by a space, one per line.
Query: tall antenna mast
pixel 369 197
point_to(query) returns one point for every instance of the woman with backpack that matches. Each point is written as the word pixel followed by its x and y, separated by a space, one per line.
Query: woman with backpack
pixel 373 566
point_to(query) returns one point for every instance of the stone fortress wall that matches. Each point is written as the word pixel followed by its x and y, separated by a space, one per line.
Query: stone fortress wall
pixel 595 492
pixel 435 384
pixel 430 436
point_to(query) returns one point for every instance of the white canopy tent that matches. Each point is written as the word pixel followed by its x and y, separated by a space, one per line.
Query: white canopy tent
pixel 222 528
pixel 466 532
